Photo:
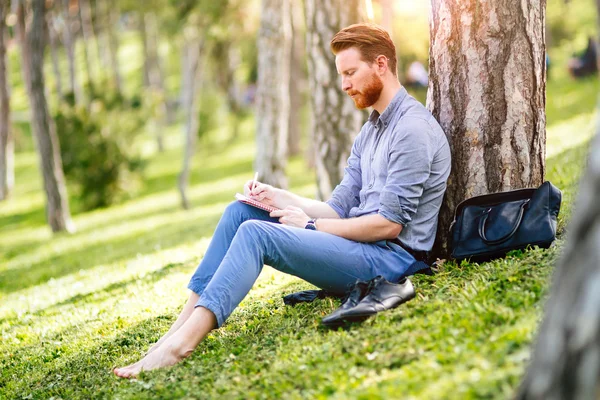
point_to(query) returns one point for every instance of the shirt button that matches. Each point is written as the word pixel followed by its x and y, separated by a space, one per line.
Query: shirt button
pixel 370 186
pixel 362 205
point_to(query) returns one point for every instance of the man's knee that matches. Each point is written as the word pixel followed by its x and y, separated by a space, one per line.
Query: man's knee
pixel 234 208
pixel 253 227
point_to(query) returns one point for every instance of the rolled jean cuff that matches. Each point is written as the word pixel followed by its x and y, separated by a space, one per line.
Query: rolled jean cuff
pixel 196 287
pixel 212 307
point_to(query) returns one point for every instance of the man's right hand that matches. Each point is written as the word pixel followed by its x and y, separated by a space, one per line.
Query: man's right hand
pixel 261 192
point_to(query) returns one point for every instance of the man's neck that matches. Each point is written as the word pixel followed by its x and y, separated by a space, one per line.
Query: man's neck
pixel 390 88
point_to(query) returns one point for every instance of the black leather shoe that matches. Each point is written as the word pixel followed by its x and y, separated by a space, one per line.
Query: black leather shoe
pixel 383 296
pixel 358 291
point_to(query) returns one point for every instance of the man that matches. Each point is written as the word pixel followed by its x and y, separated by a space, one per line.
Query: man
pixel 382 213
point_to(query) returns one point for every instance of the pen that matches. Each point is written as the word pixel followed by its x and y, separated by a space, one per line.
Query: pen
pixel 253 182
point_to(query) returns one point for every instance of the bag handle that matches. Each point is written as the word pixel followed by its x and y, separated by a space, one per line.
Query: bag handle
pixel 504 238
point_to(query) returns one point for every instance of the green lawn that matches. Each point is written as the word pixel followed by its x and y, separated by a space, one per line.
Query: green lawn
pixel 74 306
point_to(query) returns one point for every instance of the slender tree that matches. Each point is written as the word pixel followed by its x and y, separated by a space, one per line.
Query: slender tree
pixel 57 206
pixel 85 17
pixel 273 95
pixel 335 120
pixel 7 173
pixel 54 42
pixel 111 8
pixel 194 68
pixel 153 75
pixel 487 90
pixel 564 363
pixel 298 78
pixel 69 41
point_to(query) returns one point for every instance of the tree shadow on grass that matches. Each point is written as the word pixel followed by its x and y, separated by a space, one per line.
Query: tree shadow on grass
pixel 103 293
pixel 81 374
pixel 109 251
pixel 31 218
pixel 88 373
pixel 168 181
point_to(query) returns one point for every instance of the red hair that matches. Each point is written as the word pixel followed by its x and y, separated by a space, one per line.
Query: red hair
pixel 371 41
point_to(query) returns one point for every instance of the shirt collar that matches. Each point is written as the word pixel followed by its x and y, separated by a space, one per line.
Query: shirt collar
pixel 390 110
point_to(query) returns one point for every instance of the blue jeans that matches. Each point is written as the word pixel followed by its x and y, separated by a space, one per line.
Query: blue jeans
pixel 246 238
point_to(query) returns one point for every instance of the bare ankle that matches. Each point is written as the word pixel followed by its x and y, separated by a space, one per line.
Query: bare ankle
pixel 180 350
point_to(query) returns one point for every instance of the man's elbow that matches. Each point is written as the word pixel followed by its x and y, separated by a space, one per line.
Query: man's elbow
pixel 394 230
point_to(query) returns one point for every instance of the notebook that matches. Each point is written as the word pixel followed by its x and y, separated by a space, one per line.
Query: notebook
pixel 254 203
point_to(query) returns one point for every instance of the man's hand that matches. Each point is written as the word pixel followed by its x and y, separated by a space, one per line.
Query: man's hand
pixel 262 192
pixel 291 216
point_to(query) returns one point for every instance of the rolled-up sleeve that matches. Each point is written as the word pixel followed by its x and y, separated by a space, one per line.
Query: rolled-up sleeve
pixel 410 158
pixel 347 194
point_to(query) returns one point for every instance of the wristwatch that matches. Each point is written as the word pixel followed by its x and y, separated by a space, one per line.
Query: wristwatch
pixel 311 224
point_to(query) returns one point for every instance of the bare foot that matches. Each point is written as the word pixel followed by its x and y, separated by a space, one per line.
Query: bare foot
pixel 154 347
pixel 162 356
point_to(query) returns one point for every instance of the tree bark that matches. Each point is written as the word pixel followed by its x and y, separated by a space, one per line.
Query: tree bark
pixel 21 30
pixel 153 71
pixel 335 120
pixel 298 79
pixel 565 358
pixel 54 42
pixel 273 94
pixel 193 69
pixel 69 41
pixel 7 171
pixel 387 21
pixel 57 206
pixel 113 43
pixel 146 49
pixel 85 17
pixel 487 90
pixel 565 362
pixel 598 38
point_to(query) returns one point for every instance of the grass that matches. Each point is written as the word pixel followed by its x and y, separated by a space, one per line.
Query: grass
pixel 74 306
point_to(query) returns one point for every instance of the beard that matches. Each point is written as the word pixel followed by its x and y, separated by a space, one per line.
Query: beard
pixel 370 93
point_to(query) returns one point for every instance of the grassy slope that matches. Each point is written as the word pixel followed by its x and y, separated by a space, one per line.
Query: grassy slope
pixel 73 307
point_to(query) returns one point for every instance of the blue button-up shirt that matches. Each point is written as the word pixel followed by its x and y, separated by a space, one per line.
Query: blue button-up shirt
pixel 398 167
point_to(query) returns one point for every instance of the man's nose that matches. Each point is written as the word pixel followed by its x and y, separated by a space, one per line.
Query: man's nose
pixel 346 85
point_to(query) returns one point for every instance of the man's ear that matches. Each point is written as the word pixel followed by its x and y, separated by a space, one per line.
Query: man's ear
pixel 382 64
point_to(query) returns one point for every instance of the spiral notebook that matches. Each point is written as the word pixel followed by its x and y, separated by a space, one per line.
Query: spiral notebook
pixel 254 203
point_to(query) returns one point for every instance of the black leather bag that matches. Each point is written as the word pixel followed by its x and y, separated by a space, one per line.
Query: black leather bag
pixel 489 226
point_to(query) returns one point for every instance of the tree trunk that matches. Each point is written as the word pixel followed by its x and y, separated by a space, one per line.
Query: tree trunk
pixel 487 90
pixel 145 50
pixel 387 21
pixel 565 359
pixel 273 93
pixel 113 42
pixel 297 79
pixel 233 90
pixel 21 30
pixel 57 207
pixel 598 38
pixel 565 364
pixel 54 42
pixel 155 75
pixel 7 171
pixel 74 86
pixel 335 120
pixel 85 16
pixel 193 69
